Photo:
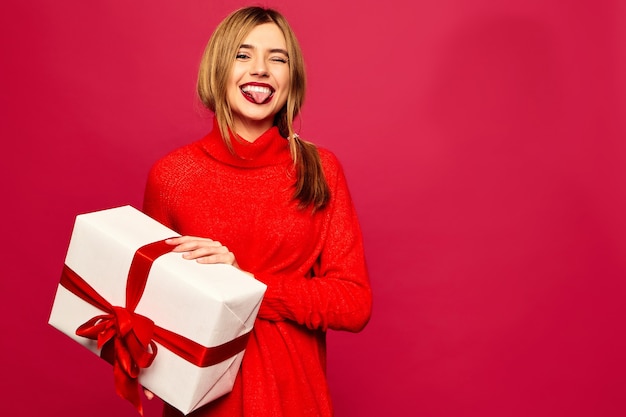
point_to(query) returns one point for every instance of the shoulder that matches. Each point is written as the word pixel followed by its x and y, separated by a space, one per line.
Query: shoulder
pixel 329 160
pixel 175 165
pixel 333 170
pixel 340 199
pixel 182 158
pixel 178 156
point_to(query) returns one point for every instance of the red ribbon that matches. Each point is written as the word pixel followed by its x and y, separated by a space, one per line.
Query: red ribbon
pixel 128 339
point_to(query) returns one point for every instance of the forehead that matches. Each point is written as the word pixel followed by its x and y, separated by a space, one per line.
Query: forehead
pixel 266 35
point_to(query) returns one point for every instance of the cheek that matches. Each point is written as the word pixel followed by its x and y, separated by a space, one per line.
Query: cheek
pixel 286 79
pixel 285 84
pixel 234 80
pixel 280 101
pixel 231 90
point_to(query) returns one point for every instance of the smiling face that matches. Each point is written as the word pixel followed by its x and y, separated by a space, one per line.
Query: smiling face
pixel 259 83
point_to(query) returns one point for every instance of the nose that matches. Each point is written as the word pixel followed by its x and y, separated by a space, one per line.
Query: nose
pixel 259 67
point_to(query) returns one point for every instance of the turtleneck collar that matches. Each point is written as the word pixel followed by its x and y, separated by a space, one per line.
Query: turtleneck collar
pixel 268 149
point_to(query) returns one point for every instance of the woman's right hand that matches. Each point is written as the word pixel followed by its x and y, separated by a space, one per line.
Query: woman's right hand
pixel 203 250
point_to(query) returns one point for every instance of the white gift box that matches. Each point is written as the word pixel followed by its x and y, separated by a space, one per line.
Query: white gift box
pixel 209 304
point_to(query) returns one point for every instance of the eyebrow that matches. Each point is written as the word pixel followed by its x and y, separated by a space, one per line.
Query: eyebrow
pixel 273 50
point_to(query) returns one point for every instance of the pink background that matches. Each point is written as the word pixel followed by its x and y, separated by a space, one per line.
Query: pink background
pixel 484 142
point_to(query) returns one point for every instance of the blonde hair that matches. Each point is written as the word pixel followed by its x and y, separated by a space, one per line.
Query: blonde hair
pixel 214 73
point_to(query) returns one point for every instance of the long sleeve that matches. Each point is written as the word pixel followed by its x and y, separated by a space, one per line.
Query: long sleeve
pixel 338 295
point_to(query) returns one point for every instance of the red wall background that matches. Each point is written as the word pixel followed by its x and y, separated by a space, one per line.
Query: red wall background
pixel 485 146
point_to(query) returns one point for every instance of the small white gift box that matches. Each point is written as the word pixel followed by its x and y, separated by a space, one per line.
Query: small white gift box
pixel 213 306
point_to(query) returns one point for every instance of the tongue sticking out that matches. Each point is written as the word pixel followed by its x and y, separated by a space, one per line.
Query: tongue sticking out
pixel 258 95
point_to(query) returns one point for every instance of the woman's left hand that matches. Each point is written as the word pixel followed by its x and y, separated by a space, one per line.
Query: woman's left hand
pixel 203 250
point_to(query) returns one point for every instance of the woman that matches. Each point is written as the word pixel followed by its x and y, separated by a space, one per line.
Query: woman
pixel 253 194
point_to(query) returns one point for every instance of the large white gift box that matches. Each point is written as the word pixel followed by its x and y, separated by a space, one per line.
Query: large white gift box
pixel 212 305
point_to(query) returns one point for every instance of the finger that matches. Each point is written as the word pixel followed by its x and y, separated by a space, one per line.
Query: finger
pixel 184 239
pixel 149 394
pixel 205 251
pixel 197 244
pixel 175 240
pixel 220 258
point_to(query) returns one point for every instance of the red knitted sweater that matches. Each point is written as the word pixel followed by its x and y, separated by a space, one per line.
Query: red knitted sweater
pixel 312 263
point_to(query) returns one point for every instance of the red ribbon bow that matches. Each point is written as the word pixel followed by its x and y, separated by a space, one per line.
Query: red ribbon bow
pixel 128 339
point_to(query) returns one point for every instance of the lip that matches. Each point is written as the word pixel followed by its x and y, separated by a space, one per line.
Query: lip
pixel 257 84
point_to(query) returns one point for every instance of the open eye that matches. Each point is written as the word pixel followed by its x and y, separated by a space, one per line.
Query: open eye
pixel 242 56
